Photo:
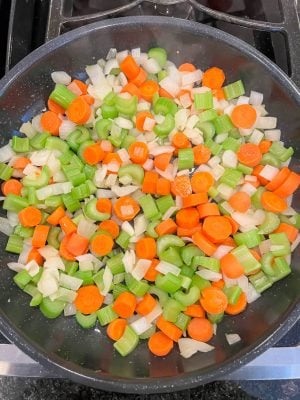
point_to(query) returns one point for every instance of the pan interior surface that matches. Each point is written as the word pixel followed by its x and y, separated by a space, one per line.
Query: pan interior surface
pixel 88 355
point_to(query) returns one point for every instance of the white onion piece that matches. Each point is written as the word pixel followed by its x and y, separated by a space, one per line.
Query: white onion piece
pixel 123 191
pixel 185 100
pixel 243 283
pixel 169 212
pixel 6 153
pixel 189 347
pixel 104 193
pixel 53 164
pixel 217 171
pixel 5 226
pixel 151 66
pixel 66 127
pixel 273 135
pixel 107 281
pixel 228 110
pixel 56 188
pixel 221 251
pixel 269 172
pixel 140 224
pixel 209 275
pixel 127 227
pixel 86 228
pixel 112 52
pixel 225 191
pixel 141 325
pixel 167 173
pixel 47 285
pixel 155 313
pixel 289 212
pixel 99 176
pixel 243 219
pixel 259 217
pixel 245 132
pixel 148 165
pixel 16 266
pixel 48 252
pixel 70 282
pixel 129 260
pixel 266 122
pixel 214 161
pixel 248 188
pixel 221 138
pixel 27 129
pixel 123 123
pixel 69 310
pixel 54 263
pixel 36 123
pixel 256 98
pixel 164 267
pixel 264 246
pixel 148 124
pixel 161 150
pixel 192 121
pixel 110 64
pixel 143 106
pixel 229 159
pixel 141 268
pixel 256 136
pixel 242 100
pixel 232 338
pixel 295 243
pixel 61 77
pixel 252 294
pixel 181 118
pixel 191 77
pixel 13 218
pixel 109 299
pixel 170 86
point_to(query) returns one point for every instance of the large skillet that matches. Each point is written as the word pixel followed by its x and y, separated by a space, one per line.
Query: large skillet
pixel 87 356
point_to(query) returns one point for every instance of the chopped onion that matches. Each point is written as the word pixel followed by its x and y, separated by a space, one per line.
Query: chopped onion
pixel 123 191
pixel 148 165
pixel 61 77
pixel 192 121
pixel 264 246
pixel 141 325
pixel 48 251
pixel 214 161
pixel 243 219
pixel 6 153
pixel 273 135
pixel 155 313
pixel 110 64
pixel 109 299
pixel 167 173
pixel 107 281
pixel 55 189
pixel 32 171
pixel 266 123
pixel 86 228
pixel 269 172
pixel 209 275
pixel 169 213
pixel 191 77
pixel 256 137
pixel 289 212
pixel 248 188
pixel 161 150
pixel 259 217
pixel 243 283
pixel 105 193
pixel 66 127
pixel 229 159
pixel 123 123
pixel 185 100
pixel 151 66
pixel 13 218
pixel 217 172
pixel 225 191
pixel 229 282
pixel 36 123
pixel 164 268
pixel 5 226
pixel 69 310
pixel 99 176
pixel 53 164
pixel 24 254
pixel 129 260
pixel 127 227
pixel 141 268
pixel 242 100
pixel 148 124
pixel 16 266
pixel 189 347
pixel 252 294
pixel 47 285
pixel 27 129
pixel 170 86
pixel 140 224
pixel 221 251
pixel 256 98
pixel 32 267
pixel 232 338
pixel 181 118
pixel 54 263
pixel 143 106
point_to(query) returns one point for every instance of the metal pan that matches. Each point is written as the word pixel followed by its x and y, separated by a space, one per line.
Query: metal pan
pixel 88 356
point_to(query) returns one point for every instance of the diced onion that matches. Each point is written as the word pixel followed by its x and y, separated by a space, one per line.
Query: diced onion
pixel 61 77
pixel 164 268
pixel 295 243
pixel 141 269
pixel 155 313
pixel 252 294
pixel 66 127
pixel 221 251
pixel 148 165
pixel 141 325
pixel 191 77
pixel 169 213
pixel 129 260
pixel 161 150
pixel 256 137
pixel 16 266
pixel 47 285
pixel 242 100
pixel 148 124
pixel 140 224
pixel 54 263
pixel 264 246
pixel 69 310
pixel 209 275
pixel 123 123
pixel 27 129
pixel 105 193
pixel 86 228
pixel 5 226
pixel 266 123
pixel 181 118
pixel 151 66
pixel 248 188
pixel 232 338
pixel 6 153
pixel 269 172
pixel 107 281
pixel 189 347
pixel 123 191
pixel 273 135
pixel 55 189
pixel 256 98
pixel 127 227
pixel 48 252
pixel 170 86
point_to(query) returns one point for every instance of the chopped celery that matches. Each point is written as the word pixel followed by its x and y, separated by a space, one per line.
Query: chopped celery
pixel 280 244
pixel 138 288
pixel 233 294
pixel 171 310
pixel 234 90
pixel 164 203
pixel 86 321
pixel 162 130
pixel 188 252
pixel 189 298
pixel 166 241
pixel 168 283
pixel 182 321
pixel 106 315
pixel 250 238
pixel 249 262
pixel 172 256
pixel 51 309
pixel 135 171
pixel 128 342
pixel 270 223
pixel 185 158
pixel 62 95
pixel 159 54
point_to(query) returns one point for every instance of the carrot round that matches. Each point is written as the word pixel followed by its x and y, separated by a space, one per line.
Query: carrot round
pixel 54 107
pixel 278 179
pixel 130 67
pixel 56 216
pixel 255 254
pixel 146 305
pixel 163 187
pixel 219 94
pixel 200 329
pixel 125 304
pixel 79 111
pixel 202 154
pixel 146 248
pixel 126 208
pixel 289 186
pixel 93 154
pixel 21 162
pixel 213 78
pixel 12 186
pixel 114 159
pixel 148 89
pixel 194 199
pixel 104 206
pixel 290 231
pixel 240 201
pixel 187 67
pixel 249 154
pixel 63 251
pixel 150 182
pixel 162 161
pixel 217 228
pixel 180 141
pixel 111 227
pixel 116 328
pixel 166 227
pixel 234 225
pixel 188 231
pixel 40 235
pixel 201 181
pixel 195 310
pixel 151 274
pixel 81 85
pixel 272 202
pixel 140 78
pixel 50 122
pixel 77 244
pixel 140 119
pixel 138 152
pixel 181 186
pixel 204 243
pixel 231 266
pixel 264 146
pixel 229 241
pixel 187 217
pixel 234 309
pixel 218 284
pixel 88 299
pixel 213 300
pixel 67 225
pixel 163 93
pixel 243 116
pixel 35 255
pixel 160 344
pixel 208 209
pixel 132 89
pixel 169 329
pixel 30 216
pixel 256 172
pixel 102 244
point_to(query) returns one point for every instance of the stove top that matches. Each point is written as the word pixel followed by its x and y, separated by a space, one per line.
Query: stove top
pixel 272 26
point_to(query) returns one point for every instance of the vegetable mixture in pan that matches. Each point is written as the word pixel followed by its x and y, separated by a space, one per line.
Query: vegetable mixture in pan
pixel 151 198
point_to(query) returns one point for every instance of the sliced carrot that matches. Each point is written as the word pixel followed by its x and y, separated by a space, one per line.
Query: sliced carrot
pixel 234 225
pixel 187 218
pixel 88 299
pixel 213 300
pixel 249 154
pixel 256 172
pixel 229 241
pixel 187 67
pixel 264 146
pixel 163 93
pixel 218 284
pixel 77 244
pixel 272 202
pixel 290 231
pixel 140 78
pixel 88 99
pixel 151 274
pixel 231 266
pixel 200 329
pixel 21 162
pixel 181 186
pixel 102 244
pixel 12 186
pixel 150 182
pixel 289 186
pixel 146 305
pixel 116 328
pixel 56 216
pixel 180 141
pixel 204 243
pixel 146 248
pixel 148 89
pixel 35 255
pixel 113 160
pixel 234 309
pixel 166 227
pixel 67 225
pixel 278 179
pixel 130 67
pixel 140 119
pixel 93 154
pixel 104 206
pixel 219 94
pixel 217 228
pixel 162 161
pixel 240 201
pixel 54 107
pixel 132 89
pixel 40 235
pixel 243 116
pixel 208 209
pixel 81 85
pixel 194 199
pixel 195 310
pixel 30 216
pixel 138 152
pixel 125 305
pixel 63 251
pixel 213 78
pixel 160 344
pixel 202 154
pixel 126 208
pixel 79 111
pixel 163 187
pixel 255 254
pixel 111 227
pixel 50 122
pixel 201 181
pixel 182 232
pixel 169 329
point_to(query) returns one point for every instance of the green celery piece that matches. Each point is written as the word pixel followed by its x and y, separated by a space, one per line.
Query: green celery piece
pixel 215 318
pixel 164 106
pixel 62 95
pixel 91 212
pixel 128 342
pixel 207 262
pixel 260 281
pixel 166 241
pixel 256 198
pixel 106 315
pixel 270 223
pixel 135 171
pixel 172 256
pixel 172 309
pixel 280 244
pixel 233 294
pixel 103 127
pixel 159 54
pixel 164 203
pixel 250 238
pixel 160 294
pixel 51 309
pixel 40 181
pixel 138 288
pixel 162 130
pixel 189 298
pixel 234 90
pixel 188 252
pixel 169 283
pixel 185 158
pixel 86 321
pixel 200 282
